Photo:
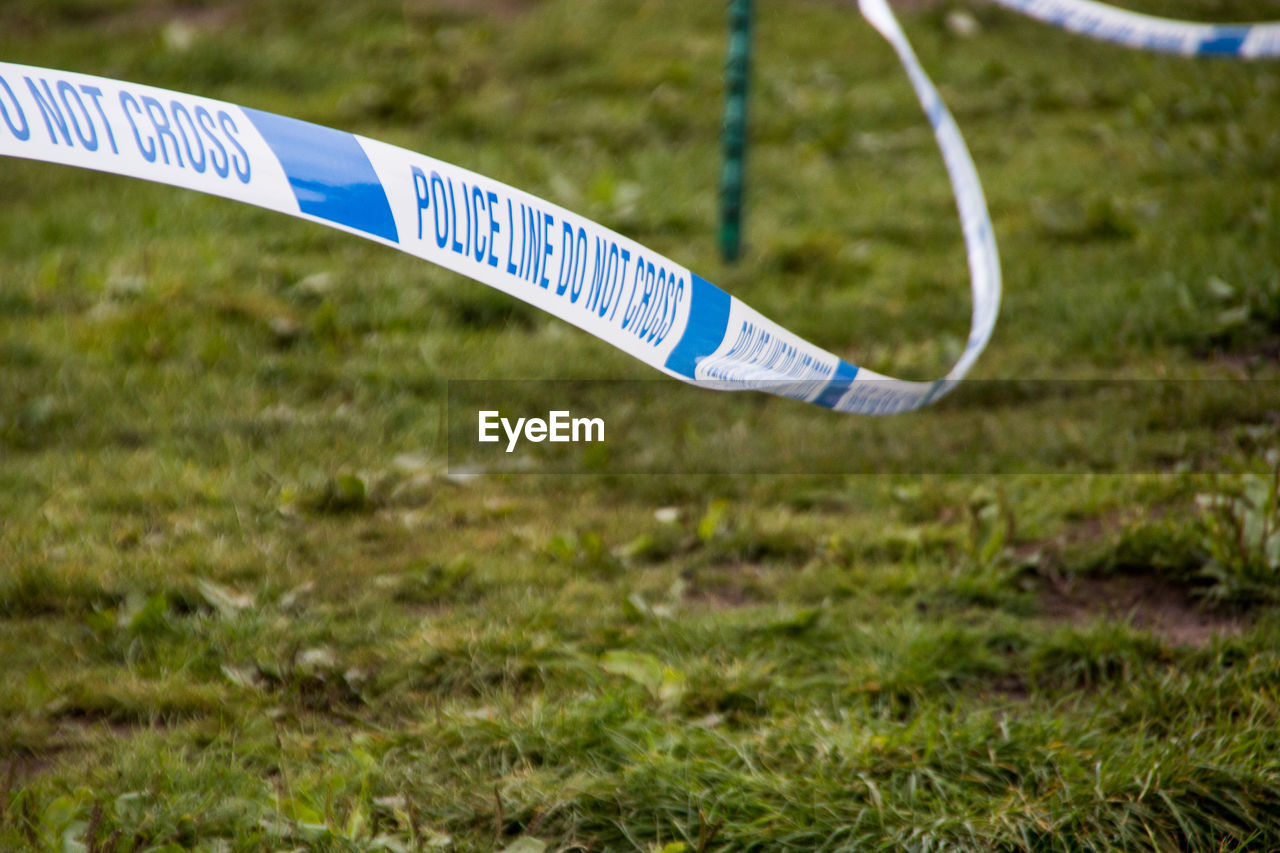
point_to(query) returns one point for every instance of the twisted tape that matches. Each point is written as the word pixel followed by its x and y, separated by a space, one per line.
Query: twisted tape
pixel 1148 32
pixel 612 287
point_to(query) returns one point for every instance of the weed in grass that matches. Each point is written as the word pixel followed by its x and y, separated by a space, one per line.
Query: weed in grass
pixel 1227 552
pixel 1242 539
pixel 1245 317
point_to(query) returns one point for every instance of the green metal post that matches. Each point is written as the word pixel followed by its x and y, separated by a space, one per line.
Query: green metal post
pixel 732 174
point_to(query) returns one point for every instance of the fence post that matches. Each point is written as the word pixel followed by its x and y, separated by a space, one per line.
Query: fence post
pixel 734 130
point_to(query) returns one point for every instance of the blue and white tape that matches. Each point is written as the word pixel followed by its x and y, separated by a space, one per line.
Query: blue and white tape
pixel 1147 32
pixel 618 290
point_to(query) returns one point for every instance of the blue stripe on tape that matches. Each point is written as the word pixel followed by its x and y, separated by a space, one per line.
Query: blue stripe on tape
pixel 708 321
pixel 331 175
pixel 1225 40
pixel 838 386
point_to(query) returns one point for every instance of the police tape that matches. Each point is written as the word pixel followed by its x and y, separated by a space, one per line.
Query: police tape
pixel 614 288
pixel 1147 32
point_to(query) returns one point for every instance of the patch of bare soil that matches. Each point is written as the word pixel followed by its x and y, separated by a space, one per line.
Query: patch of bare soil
pixel 725 588
pixel 1145 601
pixel 16 771
pixel 1048 553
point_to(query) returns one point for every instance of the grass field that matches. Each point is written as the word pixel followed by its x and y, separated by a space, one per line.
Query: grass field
pixel 245 603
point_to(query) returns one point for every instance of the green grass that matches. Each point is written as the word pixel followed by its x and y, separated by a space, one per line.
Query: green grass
pixel 244 604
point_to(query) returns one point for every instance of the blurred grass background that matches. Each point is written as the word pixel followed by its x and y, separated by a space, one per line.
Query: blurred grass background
pixel 244 605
